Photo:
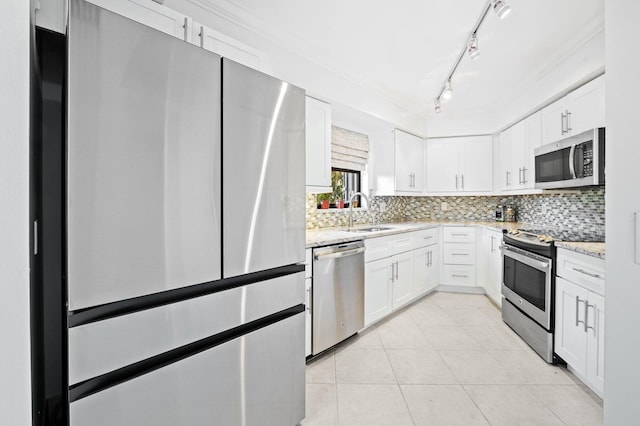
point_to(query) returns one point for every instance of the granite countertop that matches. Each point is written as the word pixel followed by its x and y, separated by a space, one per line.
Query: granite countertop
pixel 327 236
pixel 590 248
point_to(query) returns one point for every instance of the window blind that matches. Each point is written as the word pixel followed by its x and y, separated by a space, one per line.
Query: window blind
pixel 349 149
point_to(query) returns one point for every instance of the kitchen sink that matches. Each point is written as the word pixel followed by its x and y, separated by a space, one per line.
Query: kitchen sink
pixel 370 229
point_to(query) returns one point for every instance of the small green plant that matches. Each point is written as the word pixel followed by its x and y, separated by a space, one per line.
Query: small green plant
pixel 337 182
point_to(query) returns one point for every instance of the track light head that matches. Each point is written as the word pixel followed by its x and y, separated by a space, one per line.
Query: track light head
pixel 448 91
pixel 436 104
pixel 501 8
pixel 472 49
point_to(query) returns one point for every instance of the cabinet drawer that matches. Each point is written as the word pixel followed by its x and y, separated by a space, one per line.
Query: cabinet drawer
pixel 582 269
pixel 425 237
pixel 459 234
pixel 459 253
pixel 403 243
pixel 463 275
pixel 378 248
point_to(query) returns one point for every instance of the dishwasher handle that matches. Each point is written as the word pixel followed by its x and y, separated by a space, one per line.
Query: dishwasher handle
pixel 340 254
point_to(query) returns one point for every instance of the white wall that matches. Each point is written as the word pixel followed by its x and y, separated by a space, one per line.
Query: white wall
pixel 15 392
pixel 622 338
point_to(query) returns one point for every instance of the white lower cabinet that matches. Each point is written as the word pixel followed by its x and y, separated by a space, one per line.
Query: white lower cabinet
pixel 459 256
pixel 426 262
pixel 377 290
pixel 490 264
pixel 579 329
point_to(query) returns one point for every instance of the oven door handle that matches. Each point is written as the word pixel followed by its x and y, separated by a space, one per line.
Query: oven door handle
pixel 544 266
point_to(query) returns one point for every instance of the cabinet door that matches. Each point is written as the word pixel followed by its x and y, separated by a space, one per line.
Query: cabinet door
pixel 570 338
pixel 433 267
pixel 408 166
pixel 517 154
pixel 308 323
pixel 377 290
pixel 442 165
pixel 229 47
pixel 490 263
pixel 553 121
pixel 476 163
pixel 587 107
pixel 403 281
pixel 318 144
pixel 420 267
pixel 151 14
pixel 532 140
pixel 505 179
pixel 595 343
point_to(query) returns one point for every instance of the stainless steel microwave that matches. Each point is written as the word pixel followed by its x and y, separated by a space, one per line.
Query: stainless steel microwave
pixel 571 162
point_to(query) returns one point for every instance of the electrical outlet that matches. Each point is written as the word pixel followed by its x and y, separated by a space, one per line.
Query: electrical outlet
pixel 544 209
pixel 444 206
pixel 383 206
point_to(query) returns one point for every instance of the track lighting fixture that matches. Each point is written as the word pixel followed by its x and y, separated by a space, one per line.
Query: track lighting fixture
pixel 473 49
pixel 501 8
pixel 448 91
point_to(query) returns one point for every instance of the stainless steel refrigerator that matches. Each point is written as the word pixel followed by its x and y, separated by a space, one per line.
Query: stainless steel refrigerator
pixel 184 205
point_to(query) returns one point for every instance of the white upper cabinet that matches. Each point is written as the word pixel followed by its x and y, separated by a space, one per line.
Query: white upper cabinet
pixel 152 14
pixel 517 144
pixel 228 47
pixel 461 164
pixel 580 110
pixel 409 162
pixel 318 135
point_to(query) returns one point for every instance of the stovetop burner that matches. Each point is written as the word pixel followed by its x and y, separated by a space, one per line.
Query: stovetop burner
pixel 548 235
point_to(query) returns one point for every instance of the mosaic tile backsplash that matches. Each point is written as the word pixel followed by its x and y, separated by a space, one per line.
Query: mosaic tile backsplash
pixel 581 212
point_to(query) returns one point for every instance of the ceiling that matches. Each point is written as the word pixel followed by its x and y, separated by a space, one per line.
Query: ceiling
pixel 402 51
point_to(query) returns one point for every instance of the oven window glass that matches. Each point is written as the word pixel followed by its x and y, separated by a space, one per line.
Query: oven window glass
pixel 527 282
pixel 553 166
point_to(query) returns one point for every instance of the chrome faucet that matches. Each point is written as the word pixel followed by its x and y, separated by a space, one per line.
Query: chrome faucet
pixel 353 195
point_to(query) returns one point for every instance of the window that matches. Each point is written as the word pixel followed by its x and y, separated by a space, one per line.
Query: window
pixel 344 183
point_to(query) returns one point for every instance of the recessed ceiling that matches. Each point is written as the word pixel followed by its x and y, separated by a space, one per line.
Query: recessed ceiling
pixel 403 50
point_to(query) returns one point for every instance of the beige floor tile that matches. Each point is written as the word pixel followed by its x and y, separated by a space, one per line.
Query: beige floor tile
pixel 570 403
pixel 321 405
pixel 372 405
pixel 470 315
pixel 431 314
pixel 505 405
pixel 458 300
pixel 442 405
pixel 477 367
pixel 363 366
pixel 496 337
pixel 402 334
pixel 322 370
pixel 529 368
pixel 449 337
pixel 413 366
pixel 368 339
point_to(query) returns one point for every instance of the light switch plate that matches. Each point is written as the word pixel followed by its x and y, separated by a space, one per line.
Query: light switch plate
pixel 444 206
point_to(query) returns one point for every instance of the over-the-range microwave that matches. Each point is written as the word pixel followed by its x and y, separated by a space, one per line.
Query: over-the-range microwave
pixel 572 162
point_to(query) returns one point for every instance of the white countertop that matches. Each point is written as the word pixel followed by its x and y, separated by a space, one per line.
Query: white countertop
pixel 327 236
pixel 590 248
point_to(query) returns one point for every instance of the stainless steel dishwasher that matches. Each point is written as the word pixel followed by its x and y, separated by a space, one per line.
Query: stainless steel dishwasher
pixel 338 294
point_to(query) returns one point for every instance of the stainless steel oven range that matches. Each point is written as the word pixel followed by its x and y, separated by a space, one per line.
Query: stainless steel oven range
pixel 528 281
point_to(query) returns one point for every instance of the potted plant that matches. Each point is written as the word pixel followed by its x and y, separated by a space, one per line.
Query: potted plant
pixel 337 182
pixel 323 200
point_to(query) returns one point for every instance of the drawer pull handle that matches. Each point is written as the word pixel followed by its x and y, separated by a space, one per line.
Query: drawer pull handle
pixel 460 235
pixel 428 237
pixel 459 254
pixel 591 274
pixel 460 276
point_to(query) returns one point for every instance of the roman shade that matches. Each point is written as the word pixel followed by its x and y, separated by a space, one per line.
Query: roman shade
pixel 349 149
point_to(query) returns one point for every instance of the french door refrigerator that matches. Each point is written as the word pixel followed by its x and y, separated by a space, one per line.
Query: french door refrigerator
pixel 183 236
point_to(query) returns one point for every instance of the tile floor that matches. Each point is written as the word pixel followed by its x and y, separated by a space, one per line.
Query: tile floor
pixel 447 359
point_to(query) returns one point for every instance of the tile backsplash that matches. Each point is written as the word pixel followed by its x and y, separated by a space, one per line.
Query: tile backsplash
pixel 580 211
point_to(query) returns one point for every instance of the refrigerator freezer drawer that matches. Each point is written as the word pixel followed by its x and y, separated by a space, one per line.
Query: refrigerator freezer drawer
pixel 143 162
pixel 100 347
pixel 263 169
pixel 257 379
